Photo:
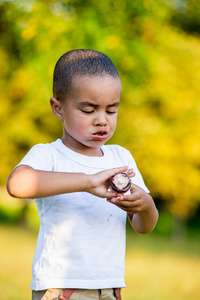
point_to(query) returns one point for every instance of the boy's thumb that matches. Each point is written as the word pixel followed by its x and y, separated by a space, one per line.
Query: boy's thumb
pixel 134 187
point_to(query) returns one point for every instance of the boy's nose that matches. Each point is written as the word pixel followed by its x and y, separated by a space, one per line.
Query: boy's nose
pixel 100 120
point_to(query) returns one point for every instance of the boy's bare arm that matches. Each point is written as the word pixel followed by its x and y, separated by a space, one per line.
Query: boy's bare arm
pixel 145 220
pixel 140 208
pixel 26 182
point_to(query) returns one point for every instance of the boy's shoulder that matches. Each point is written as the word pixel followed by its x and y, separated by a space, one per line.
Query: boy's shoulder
pixel 46 146
pixel 118 155
pixel 118 152
pixel 44 151
pixel 116 148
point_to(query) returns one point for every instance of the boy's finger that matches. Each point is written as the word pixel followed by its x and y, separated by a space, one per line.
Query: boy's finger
pixel 134 187
pixel 130 173
pixel 115 171
pixel 132 198
pixel 120 169
pixel 110 195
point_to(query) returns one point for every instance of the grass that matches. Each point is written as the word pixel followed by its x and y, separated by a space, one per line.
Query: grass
pixel 162 269
pixel 156 267
pixel 16 254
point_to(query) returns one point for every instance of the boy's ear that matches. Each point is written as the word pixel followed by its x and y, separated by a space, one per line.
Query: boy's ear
pixel 56 108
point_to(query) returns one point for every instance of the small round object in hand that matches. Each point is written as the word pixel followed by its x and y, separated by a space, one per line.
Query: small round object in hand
pixel 120 182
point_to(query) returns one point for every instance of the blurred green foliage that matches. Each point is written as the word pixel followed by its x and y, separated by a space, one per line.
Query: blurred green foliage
pixel 154 45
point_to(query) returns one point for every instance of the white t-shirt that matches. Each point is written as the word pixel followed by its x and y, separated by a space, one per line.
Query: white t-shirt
pixel 81 241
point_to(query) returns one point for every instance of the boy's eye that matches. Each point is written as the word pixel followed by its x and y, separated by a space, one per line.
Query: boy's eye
pixel 111 112
pixel 87 111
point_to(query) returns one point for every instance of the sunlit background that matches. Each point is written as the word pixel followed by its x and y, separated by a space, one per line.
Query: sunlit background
pixel 155 46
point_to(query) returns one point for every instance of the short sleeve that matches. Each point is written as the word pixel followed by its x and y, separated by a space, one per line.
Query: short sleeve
pixel 137 179
pixel 39 157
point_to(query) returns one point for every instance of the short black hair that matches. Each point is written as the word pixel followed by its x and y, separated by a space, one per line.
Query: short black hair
pixel 79 62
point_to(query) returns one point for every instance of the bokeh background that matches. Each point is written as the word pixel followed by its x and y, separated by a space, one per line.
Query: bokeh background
pixel 155 46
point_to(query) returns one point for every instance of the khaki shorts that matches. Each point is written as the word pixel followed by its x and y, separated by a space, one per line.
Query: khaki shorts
pixel 78 294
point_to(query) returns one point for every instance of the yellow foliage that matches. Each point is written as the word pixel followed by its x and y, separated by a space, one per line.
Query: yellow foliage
pixel 4 65
pixel 128 63
pixel 30 30
pixel 19 84
pixel 113 41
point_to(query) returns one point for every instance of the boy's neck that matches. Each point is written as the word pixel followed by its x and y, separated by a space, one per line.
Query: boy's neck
pixel 88 151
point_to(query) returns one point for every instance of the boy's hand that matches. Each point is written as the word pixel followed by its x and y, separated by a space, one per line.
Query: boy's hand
pixel 137 201
pixel 140 207
pixel 100 182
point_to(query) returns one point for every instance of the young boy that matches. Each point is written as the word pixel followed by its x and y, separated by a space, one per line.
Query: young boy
pixel 80 251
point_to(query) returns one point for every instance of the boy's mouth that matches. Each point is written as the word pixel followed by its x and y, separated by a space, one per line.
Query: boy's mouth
pixel 100 135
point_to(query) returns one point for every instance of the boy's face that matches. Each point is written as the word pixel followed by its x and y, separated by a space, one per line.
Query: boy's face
pixel 89 113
